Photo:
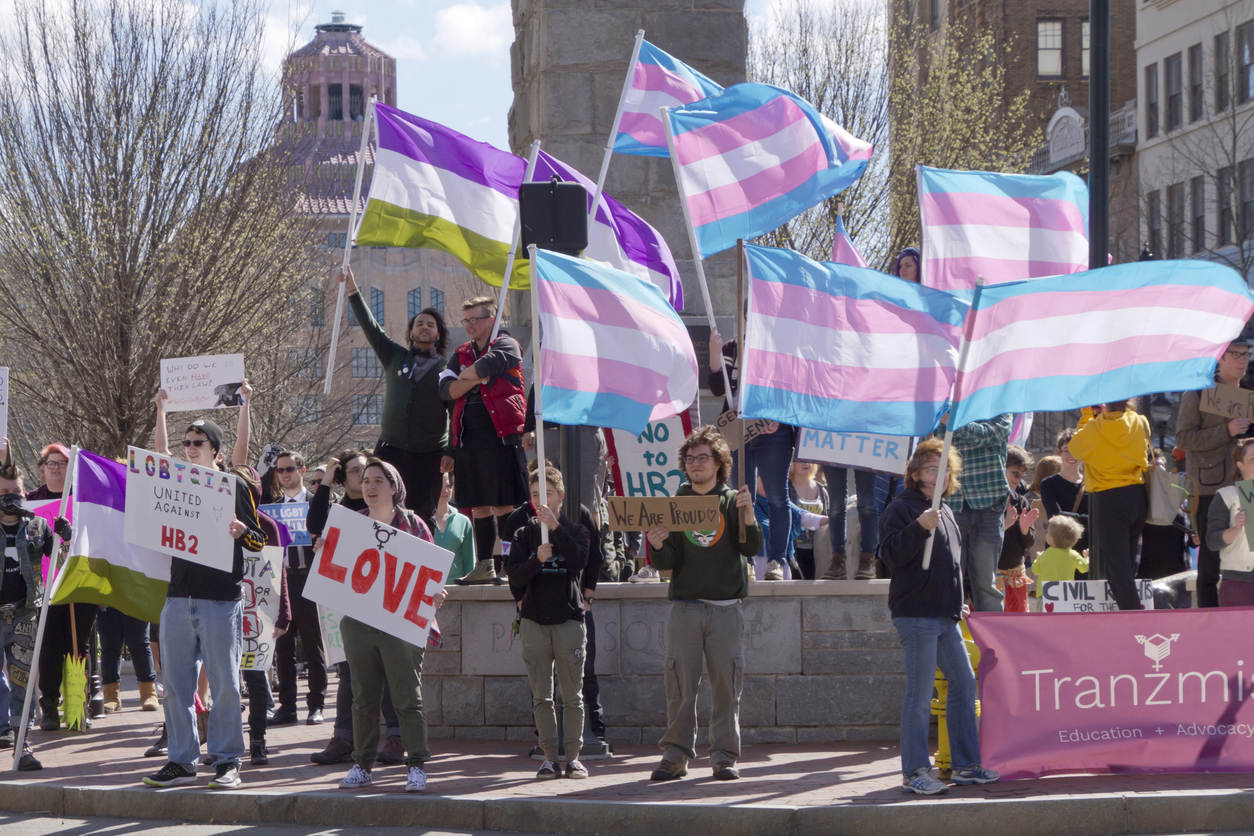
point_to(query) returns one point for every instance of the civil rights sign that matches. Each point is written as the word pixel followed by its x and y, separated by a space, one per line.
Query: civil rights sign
pixel 378 575
pixel 203 382
pixel 179 508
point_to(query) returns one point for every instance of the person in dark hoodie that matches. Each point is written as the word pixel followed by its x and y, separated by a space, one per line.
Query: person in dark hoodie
pixel 546 578
pixel 709 577
pixel 926 606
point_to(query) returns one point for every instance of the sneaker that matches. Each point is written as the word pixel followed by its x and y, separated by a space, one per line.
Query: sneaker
pixel 669 771
pixel 355 779
pixel 338 750
pixel 162 747
pixel 774 571
pixel 8 737
pixel 547 770
pixel 647 573
pixel 417 781
pixel 575 769
pixel 923 782
pixel 170 775
pixel 227 777
pixel 28 762
pixel 392 753
pixel 258 755
pixel 484 572
pixel 975 775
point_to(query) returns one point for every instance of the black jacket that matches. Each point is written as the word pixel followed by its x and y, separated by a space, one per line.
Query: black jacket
pixel 913 592
pixel 1015 543
pixel 191 580
pixel 550 592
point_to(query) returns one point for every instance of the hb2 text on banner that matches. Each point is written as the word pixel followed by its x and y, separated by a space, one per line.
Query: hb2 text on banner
pixel 179 508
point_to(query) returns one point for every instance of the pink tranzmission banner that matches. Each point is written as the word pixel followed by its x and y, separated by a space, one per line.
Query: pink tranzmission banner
pixel 1131 692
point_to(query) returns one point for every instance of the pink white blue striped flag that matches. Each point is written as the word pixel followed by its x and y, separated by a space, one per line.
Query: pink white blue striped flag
pixel 657 81
pixel 1070 341
pixel 755 157
pixel 846 349
pixel 613 352
pixel 843 250
pixel 1005 227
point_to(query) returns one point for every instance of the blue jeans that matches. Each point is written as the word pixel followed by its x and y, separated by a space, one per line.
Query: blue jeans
pixel 771 456
pixel 192 630
pixel 982 532
pixel 868 511
pixel 928 643
pixel 4 700
pixel 17 642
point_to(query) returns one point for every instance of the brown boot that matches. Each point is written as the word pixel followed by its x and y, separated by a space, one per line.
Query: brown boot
pixel 866 567
pixel 148 696
pixel 112 700
pixel 835 572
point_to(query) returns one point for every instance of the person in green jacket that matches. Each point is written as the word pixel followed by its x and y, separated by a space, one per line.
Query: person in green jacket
pixel 709 577
pixel 413 434
pixel 454 531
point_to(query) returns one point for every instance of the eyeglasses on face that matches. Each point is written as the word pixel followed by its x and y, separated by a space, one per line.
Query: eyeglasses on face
pixel 471 320
pixel 55 465
pixel 1240 355
pixel 195 442
pixel 285 470
pixel 704 458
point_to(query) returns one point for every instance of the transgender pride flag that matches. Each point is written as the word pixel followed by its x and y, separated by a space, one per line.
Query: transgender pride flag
pixel 753 158
pixel 613 352
pixel 846 349
pixel 1004 227
pixel 657 81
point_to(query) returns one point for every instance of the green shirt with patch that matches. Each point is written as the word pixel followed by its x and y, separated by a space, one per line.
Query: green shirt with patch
pixel 710 565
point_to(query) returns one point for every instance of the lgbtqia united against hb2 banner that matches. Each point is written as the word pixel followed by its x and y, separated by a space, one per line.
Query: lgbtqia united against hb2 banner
pixel 1126 692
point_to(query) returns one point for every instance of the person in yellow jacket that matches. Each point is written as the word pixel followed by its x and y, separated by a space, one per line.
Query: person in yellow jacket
pixel 1113 443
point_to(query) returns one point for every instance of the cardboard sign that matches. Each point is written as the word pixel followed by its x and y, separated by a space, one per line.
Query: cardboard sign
pixel 331 635
pixel 860 451
pixel 1228 401
pixel 680 513
pixel 378 575
pixel 1088 596
pixel 645 465
pixel 731 426
pixel 180 509
pixel 4 402
pixel 261 606
pixel 194 383
pixel 1245 494
pixel 292 516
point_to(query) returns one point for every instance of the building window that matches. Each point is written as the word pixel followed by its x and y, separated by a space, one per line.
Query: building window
pixel 376 305
pixel 309 362
pixel 1245 176
pixel 317 308
pixel 1151 101
pixel 337 239
pixel 415 302
pixel 1245 63
pixel 1195 82
pixel 1049 48
pixel 1225 205
pixel 1198 198
pixel 1223 73
pixel 437 300
pixel 1175 221
pixel 1085 49
pixel 1154 214
pixel 367 409
pixel 366 363
pixel 1172 70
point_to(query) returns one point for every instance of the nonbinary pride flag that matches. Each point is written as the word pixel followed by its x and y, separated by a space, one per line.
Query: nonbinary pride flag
pixel 433 187
pixel 657 81
pixel 846 349
pixel 102 567
pixel 613 351
pixel 1005 227
pixel 1099 336
pixel 755 157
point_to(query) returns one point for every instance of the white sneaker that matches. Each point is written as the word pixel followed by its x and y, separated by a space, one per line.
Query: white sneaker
pixel 484 572
pixel 417 780
pixel 774 571
pixel 355 779
pixel 646 574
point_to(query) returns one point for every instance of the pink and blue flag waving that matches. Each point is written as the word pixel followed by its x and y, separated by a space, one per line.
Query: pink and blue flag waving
pixel 843 250
pixel 1004 227
pixel 754 157
pixel 846 349
pixel 657 81
pixel 613 352
pixel 1070 341
pixel 619 237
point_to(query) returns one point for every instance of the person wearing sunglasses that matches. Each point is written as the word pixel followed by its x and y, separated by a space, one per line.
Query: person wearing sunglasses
pixel 484 382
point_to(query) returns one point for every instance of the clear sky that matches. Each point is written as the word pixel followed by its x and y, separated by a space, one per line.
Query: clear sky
pixel 452 56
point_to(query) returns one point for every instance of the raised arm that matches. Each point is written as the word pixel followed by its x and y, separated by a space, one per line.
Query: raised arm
pixel 160 442
pixel 239 455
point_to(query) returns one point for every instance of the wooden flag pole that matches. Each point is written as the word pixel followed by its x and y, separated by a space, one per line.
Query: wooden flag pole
pixel 513 246
pixel 535 385
pixel 618 117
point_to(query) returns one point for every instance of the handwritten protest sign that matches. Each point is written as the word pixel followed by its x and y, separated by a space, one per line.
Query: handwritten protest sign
pixel 378 575
pixel 4 402
pixel 203 382
pixel 261 606
pixel 292 516
pixel 861 451
pixel 680 513
pixel 1088 596
pixel 179 508
pixel 330 622
pixel 1228 401
pixel 1245 494
pixel 645 464
pixel 731 426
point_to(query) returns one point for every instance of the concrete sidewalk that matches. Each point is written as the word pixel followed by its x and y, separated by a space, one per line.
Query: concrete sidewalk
pixel 847 788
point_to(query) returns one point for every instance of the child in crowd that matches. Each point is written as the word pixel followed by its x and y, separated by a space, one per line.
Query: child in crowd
pixel 1012 576
pixel 1060 561
pixel 810 495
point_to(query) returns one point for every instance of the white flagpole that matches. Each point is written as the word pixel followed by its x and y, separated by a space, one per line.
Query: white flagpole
pixel 513 245
pixel 350 237
pixel 696 253
pixel 964 348
pixel 618 117
pixel 535 384
pixel 50 588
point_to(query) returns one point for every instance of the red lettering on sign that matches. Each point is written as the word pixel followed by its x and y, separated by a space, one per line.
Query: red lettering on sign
pixel 167 537
pixel 393 589
pixel 326 567
pixel 361 580
pixel 425 574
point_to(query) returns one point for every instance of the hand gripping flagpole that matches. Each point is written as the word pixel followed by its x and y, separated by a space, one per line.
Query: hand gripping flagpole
pixel 535 384
pixel 350 239
pixel 618 118
pixel 513 243
pixel 696 252
pixel 968 332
